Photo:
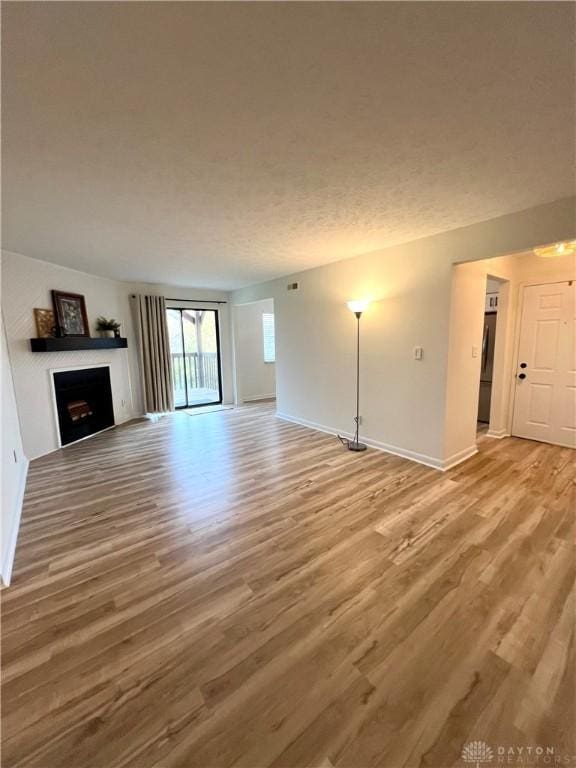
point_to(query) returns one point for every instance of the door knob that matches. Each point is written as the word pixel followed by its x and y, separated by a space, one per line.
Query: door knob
pixel 521 375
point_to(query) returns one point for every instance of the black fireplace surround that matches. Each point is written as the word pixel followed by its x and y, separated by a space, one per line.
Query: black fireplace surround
pixel 84 402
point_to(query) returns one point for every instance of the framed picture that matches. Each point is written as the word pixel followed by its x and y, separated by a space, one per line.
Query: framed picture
pixel 45 323
pixel 70 311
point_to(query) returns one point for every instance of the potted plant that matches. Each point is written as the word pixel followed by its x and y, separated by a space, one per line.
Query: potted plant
pixel 108 328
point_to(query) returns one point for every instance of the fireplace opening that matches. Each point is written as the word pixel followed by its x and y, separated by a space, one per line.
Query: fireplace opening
pixel 83 402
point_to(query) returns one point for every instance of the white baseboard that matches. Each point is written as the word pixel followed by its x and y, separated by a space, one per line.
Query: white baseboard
pixel 255 398
pixel 12 538
pixel 458 458
pixel 420 458
pixel 124 420
pixel 498 434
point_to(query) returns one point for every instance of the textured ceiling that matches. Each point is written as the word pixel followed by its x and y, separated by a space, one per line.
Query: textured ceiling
pixel 219 144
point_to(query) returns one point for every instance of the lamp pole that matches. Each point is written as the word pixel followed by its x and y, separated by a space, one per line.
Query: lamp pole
pixel 356 445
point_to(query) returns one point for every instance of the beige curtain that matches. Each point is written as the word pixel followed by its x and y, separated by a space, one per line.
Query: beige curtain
pixel 155 354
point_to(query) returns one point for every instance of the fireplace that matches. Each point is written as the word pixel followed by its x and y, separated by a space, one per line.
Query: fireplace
pixel 83 402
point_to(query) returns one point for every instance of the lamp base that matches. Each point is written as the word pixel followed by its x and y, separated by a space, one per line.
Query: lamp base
pixel 354 446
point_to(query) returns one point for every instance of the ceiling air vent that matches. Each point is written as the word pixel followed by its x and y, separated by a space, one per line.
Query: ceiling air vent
pixel 293 286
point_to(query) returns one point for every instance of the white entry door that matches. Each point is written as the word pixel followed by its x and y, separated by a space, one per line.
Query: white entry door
pixel 545 399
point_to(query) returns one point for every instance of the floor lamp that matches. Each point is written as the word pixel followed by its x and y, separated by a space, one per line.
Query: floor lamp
pixel 355 445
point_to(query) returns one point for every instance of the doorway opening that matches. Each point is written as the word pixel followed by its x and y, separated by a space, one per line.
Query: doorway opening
pixel 470 360
pixel 255 351
pixel 194 339
pixel 487 353
pixel 530 380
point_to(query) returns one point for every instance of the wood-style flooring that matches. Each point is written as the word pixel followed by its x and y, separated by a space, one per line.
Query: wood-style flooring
pixel 233 590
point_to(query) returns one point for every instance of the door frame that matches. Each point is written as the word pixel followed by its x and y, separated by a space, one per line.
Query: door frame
pixel 499 403
pixel 218 355
pixel 516 347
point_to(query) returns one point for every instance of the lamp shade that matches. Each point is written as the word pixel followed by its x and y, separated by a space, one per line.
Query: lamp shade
pixel 358 305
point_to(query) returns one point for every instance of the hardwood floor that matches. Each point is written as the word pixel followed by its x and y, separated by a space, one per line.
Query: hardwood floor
pixel 234 590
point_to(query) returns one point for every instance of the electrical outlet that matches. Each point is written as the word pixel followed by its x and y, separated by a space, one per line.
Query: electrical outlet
pixel 418 353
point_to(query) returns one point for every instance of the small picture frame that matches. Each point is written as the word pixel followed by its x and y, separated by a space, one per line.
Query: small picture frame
pixel 70 311
pixel 45 323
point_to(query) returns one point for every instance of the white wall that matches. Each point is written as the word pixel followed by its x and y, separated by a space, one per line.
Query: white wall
pixel 14 465
pixel 403 401
pixel 26 283
pixel 255 379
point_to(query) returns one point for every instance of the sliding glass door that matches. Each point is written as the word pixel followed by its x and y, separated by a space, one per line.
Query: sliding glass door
pixel 195 354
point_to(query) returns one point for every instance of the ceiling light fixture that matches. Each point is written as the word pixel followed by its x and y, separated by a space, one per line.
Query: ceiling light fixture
pixel 557 249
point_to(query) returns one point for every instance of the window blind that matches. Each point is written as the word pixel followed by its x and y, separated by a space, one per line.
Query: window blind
pixel 268 337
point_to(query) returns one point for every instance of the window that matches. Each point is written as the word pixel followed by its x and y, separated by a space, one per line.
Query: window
pixel 268 337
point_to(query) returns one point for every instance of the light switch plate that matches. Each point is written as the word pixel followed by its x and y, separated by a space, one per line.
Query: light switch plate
pixel 418 353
